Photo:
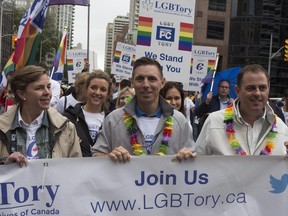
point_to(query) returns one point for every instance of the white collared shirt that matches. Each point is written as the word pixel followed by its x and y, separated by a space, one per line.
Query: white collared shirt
pixel 223 104
pixel 253 130
pixel 32 151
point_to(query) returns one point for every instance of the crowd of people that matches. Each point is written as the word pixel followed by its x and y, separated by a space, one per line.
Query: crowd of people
pixel 146 116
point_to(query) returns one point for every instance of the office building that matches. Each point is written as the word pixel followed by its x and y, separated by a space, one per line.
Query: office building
pixel 257 26
pixel 6 31
pixel 115 32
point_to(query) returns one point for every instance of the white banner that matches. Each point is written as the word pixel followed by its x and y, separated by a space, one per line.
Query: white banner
pixel 203 60
pixel 165 33
pixel 123 61
pixel 207 185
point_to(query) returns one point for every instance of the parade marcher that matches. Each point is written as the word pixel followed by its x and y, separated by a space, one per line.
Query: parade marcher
pixel 7 100
pixel 189 106
pixel 249 125
pixel 147 125
pixel 77 95
pixel 212 104
pixel 283 105
pixel 123 84
pixel 174 94
pixel 123 95
pixel 217 102
pixel 89 116
pixel 56 90
pixel 33 130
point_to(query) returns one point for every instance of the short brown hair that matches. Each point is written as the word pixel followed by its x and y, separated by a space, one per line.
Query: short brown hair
pixel 147 61
pixel 254 68
pixel 22 77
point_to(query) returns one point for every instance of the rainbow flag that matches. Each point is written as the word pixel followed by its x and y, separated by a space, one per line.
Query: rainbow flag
pixel 8 68
pixel 59 60
pixel 29 33
pixel 133 60
pixel 117 56
pixel 185 37
pixel 144 31
pixel 70 65
pixel 211 65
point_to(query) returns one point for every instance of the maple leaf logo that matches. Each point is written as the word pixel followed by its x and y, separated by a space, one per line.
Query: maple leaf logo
pixel 147 4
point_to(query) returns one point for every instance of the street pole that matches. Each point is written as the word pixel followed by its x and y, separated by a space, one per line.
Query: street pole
pixel 40 55
pixel 88 33
pixel 270 53
pixel 1 23
pixel 42 42
pixel 274 54
pixel 1 27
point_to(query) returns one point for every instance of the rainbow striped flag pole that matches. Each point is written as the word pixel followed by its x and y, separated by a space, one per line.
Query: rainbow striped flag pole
pixel 59 60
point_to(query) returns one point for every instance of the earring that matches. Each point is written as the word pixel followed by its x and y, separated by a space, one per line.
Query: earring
pixel 24 99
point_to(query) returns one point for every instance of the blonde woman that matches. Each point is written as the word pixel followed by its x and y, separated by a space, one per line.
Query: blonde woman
pixel 77 96
pixel 123 95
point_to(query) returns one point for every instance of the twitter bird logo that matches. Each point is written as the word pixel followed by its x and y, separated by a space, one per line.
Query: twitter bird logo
pixel 279 186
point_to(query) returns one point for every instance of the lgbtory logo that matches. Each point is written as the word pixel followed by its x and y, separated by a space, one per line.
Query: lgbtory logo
pixel 147 4
pixel 168 7
pixel 279 185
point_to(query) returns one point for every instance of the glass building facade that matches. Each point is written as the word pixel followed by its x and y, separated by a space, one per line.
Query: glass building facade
pixel 256 26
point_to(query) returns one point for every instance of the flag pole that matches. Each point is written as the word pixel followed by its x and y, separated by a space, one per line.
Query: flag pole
pixel 214 72
pixel 88 30
pixel 52 72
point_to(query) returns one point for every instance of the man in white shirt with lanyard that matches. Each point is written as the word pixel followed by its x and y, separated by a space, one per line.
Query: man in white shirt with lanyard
pixel 147 125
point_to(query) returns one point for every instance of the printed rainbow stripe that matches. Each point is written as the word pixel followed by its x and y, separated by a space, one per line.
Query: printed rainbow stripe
pixel 117 56
pixel 191 66
pixel 211 64
pixel 133 60
pixel 144 31
pixel 70 64
pixel 185 36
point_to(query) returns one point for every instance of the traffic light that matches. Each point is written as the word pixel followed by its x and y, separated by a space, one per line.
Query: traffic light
pixel 286 50
pixel 14 41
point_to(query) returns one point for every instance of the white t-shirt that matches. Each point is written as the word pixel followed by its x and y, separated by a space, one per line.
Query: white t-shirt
pixel 55 89
pixel 94 122
pixel 148 127
pixel 188 104
pixel 70 101
pixel 31 147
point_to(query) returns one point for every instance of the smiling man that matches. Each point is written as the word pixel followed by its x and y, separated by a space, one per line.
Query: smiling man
pixel 249 126
pixel 148 125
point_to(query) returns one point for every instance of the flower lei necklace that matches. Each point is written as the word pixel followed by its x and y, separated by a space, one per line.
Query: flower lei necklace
pixel 130 124
pixel 228 119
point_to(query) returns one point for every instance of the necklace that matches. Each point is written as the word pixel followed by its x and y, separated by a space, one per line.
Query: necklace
pixel 130 124
pixel 270 139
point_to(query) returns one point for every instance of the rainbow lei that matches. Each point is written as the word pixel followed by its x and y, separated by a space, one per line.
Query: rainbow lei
pixel 130 124
pixel 228 119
